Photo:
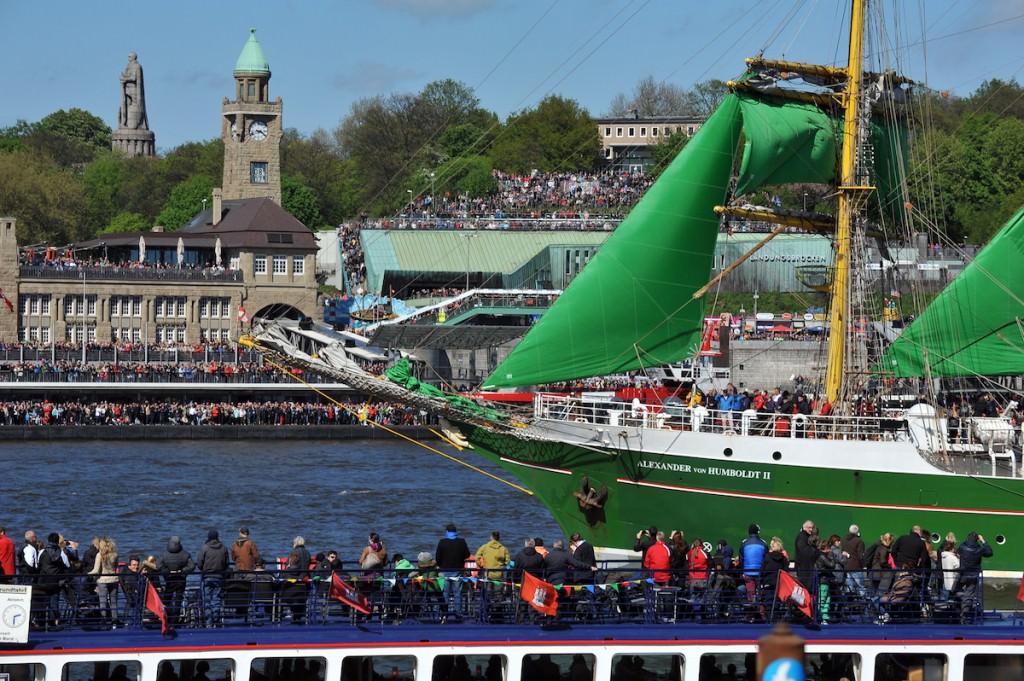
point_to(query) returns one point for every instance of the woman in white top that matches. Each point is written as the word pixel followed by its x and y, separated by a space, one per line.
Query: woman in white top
pixel 105 568
pixel 950 569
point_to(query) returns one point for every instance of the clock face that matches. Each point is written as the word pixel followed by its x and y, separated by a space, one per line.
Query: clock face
pixel 14 616
pixel 258 130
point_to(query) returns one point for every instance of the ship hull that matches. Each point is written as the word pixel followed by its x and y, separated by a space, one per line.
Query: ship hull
pixel 714 486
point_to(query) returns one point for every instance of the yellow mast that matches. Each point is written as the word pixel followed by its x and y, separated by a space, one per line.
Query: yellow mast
pixel 848 189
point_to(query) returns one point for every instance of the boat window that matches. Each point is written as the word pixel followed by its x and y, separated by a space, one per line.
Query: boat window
pixel 23 672
pixel 993 667
pixel 650 666
pixel 115 670
pixel 483 667
pixel 900 666
pixel 287 668
pixel 366 667
pixel 743 666
pixel 195 669
pixel 576 667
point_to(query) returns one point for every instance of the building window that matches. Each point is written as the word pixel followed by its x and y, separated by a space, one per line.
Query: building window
pixel 168 307
pixel 689 130
pixel 260 264
pixel 654 132
pixel 618 132
pixel 643 132
pixel 252 89
pixel 632 132
pixel 258 172
pixel 608 132
pixel 298 264
pixel 280 264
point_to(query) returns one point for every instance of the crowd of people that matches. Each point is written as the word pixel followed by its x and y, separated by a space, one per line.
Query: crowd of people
pixel 903 576
pixel 168 412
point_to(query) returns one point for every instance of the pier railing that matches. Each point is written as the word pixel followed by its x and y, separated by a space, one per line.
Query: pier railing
pixel 622 595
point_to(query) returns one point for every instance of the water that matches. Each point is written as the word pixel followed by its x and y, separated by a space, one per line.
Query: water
pixel 332 493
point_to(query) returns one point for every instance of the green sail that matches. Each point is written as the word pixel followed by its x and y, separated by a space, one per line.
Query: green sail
pixel 632 306
pixel 787 142
pixel 974 327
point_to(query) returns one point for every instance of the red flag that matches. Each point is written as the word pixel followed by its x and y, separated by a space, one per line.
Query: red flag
pixel 242 316
pixel 790 589
pixel 541 596
pixel 1020 591
pixel 7 301
pixel 156 606
pixel 348 595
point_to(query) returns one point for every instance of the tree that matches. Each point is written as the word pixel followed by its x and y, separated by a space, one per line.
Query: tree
pixel 317 163
pixel 300 201
pixel 79 125
pixel 126 222
pixel 48 201
pixel 557 135
pixel 186 200
pixel 651 98
pixel 102 180
pixel 662 154
pixel 706 96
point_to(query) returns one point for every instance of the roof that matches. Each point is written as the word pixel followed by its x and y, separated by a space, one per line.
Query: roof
pixel 246 223
pixel 450 250
pixel 252 59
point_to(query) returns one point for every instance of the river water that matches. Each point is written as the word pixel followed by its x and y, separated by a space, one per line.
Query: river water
pixel 332 493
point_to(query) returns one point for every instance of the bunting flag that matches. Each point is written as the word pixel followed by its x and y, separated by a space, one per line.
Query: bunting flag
pixel 156 606
pixel 1020 591
pixel 242 316
pixel 7 301
pixel 349 595
pixel 790 589
pixel 541 596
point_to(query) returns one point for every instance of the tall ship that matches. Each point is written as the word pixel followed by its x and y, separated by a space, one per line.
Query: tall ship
pixel 608 467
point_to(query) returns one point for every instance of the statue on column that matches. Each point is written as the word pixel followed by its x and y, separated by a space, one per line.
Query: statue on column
pixel 132 114
pixel 133 136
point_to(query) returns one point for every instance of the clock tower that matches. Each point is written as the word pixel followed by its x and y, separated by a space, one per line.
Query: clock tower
pixel 251 129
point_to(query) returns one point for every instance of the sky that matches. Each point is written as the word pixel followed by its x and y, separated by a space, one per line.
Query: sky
pixel 325 56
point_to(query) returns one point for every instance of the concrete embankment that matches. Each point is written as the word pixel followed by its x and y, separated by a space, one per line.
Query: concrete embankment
pixel 167 432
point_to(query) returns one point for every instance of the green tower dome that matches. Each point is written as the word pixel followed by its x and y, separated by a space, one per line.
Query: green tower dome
pixel 252 59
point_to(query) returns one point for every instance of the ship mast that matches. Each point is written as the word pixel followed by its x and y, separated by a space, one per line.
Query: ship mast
pixel 851 193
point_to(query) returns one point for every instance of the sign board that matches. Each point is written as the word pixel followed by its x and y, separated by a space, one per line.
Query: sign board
pixel 15 604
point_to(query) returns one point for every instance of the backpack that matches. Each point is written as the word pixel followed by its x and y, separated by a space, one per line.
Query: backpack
pixel 869 555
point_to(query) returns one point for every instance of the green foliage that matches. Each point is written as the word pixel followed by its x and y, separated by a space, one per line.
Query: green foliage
pixel 300 201
pixel 186 200
pixel 102 181
pixel 79 125
pixel 126 222
pixel 47 200
pixel 557 135
pixel 317 163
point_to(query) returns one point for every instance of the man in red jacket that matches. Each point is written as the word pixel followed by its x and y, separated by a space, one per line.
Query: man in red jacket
pixel 7 551
pixel 657 560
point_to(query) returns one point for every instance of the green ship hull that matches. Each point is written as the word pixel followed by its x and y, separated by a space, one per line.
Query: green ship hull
pixel 713 498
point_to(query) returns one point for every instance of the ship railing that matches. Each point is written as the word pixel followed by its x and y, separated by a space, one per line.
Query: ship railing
pixel 679 417
pixel 620 594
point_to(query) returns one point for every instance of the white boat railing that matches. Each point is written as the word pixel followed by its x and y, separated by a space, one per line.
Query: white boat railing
pixel 701 419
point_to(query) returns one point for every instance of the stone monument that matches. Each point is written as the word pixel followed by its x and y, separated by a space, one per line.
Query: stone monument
pixel 133 136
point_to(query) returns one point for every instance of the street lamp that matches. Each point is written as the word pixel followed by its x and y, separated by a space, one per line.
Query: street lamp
pixel 805 202
pixel 432 197
pixel 755 304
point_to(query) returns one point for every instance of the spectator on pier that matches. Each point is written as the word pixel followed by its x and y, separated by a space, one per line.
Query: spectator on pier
pixel 174 566
pixel 212 563
pixel 245 553
pixel 7 561
pixel 451 555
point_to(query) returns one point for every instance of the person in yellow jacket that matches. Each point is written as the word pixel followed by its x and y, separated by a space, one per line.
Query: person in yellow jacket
pixel 493 558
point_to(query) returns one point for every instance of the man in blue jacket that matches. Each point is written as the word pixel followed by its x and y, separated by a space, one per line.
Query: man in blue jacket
pixel 752 552
pixel 972 551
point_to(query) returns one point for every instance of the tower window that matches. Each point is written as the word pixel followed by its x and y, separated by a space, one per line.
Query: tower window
pixel 252 89
pixel 258 172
